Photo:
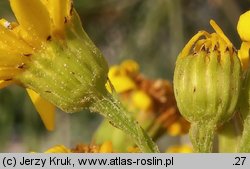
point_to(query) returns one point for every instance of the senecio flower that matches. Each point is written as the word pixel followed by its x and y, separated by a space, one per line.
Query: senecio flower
pixel 48 53
pixel 207 82
pixel 37 51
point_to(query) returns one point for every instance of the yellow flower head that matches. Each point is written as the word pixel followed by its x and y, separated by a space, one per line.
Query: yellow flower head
pixel 243 28
pixel 38 22
pixel 49 54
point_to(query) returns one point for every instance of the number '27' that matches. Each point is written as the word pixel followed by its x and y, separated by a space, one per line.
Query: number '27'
pixel 239 160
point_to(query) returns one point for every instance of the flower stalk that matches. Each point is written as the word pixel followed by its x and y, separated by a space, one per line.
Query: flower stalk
pixel 202 136
pixel 244 146
pixel 244 102
pixel 229 134
pixel 113 110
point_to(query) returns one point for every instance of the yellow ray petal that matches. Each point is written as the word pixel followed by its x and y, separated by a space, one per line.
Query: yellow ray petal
pixel 180 149
pixel 185 51
pixel 60 12
pixel 122 83
pixel 10 42
pixel 106 147
pixel 45 109
pixel 141 100
pixel 4 84
pixel 8 73
pixel 8 58
pixel 130 66
pixel 33 16
pixel 243 54
pixel 45 2
pixel 243 26
pixel 28 38
pixel 174 129
pixel 58 149
pixel 220 32
pixel 114 71
pixel 199 44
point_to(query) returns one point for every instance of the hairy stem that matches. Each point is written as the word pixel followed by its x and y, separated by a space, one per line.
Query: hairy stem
pixel 202 136
pixel 112 109
pixel 244 146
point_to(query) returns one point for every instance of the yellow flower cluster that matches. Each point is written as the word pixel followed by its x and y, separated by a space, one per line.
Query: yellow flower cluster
pixel 148 99
pixel 122 78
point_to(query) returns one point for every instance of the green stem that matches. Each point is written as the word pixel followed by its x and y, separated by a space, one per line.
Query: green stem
pixel 229 134
pixel 245 140
pixel 244 108
pixel 202 136
pixel 113 110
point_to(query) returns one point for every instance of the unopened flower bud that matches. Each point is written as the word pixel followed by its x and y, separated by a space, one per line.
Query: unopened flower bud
pixel 207 83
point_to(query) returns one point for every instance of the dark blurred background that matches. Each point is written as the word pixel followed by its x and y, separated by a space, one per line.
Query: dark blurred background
pixel 152 32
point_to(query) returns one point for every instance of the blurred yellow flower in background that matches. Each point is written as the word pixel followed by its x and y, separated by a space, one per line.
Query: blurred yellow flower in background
pixel 185 148
pixel 152 101
pixel 58 149
pixel 179 127
pixel 243 28
pixel 106 147
pixel 121 76
pixel 141 100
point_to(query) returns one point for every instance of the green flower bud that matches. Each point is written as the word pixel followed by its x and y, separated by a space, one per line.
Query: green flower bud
pixel 207 84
